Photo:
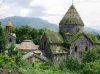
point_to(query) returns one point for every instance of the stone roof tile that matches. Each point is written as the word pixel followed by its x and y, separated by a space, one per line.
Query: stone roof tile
pixel 72 17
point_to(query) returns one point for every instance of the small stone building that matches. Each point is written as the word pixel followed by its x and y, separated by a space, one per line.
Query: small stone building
pixel 79 44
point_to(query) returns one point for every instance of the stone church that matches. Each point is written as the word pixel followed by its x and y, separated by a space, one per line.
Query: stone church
pixel 71 37
pixel 56 46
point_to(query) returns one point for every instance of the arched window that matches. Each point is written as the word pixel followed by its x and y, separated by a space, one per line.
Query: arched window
pixel 10 40
pixel 86 48
pixel 78 29
pixel 76 49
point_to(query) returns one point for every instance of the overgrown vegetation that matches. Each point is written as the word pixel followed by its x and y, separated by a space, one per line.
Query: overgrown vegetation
pixel 10 57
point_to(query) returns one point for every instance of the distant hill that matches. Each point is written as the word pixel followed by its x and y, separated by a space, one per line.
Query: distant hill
pixel 39 23
pixel 95 31
pixel 34 22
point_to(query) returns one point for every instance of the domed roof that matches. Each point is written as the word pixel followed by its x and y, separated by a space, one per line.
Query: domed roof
pixel 72 17
pixel 9 24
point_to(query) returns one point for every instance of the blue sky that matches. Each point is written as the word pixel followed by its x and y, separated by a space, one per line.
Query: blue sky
pixel 52 10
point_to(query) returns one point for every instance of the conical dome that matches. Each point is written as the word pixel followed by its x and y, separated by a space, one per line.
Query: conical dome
pixel 72 17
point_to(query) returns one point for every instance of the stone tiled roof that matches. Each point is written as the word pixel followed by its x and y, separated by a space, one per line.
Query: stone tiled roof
pixel 9 24
pixel 54 37
pixel 27 45
pixel 72 17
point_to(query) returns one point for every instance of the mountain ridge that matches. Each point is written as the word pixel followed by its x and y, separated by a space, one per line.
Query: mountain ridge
pixel 34 22
pixel 39 23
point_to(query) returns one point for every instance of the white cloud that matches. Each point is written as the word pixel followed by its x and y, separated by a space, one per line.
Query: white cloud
pixel 24 12
pixel 53 10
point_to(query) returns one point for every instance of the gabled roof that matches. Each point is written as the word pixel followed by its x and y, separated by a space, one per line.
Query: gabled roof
pixel 78 34
pixel 54 37
pixel 72 17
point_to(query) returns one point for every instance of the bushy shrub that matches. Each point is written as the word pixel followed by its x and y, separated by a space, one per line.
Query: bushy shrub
pixel 72 64
pixel 46 65
pixel 89 56
pixel 91 68
pixel 11 57
pixel 7 62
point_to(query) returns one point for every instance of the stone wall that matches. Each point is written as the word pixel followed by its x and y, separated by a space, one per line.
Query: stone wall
pixel 71 29
pixel 10 38
pixel 59 57
pixel 79 45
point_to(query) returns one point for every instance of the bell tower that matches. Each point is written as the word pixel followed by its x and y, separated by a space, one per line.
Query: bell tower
pixel 10 37
pixel 9 27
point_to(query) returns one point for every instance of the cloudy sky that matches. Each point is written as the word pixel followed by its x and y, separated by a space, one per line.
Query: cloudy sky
pixel 52 10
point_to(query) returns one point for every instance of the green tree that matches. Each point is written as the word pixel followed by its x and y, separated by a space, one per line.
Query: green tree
pixel 72 64
pixel 27 32
pixel 92 68
pixel 2 40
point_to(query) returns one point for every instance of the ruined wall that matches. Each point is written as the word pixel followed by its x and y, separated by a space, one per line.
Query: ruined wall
pixel 59 57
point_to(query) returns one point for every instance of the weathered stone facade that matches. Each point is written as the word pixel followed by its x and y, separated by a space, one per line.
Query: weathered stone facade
pixel 80 44
pixel 59 57
pixel 69 30
pixel 44 47
pixel 10 38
